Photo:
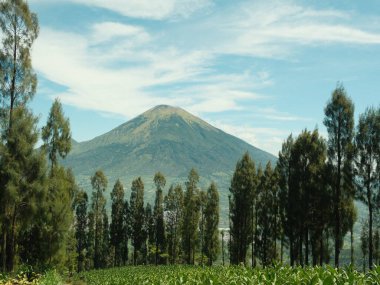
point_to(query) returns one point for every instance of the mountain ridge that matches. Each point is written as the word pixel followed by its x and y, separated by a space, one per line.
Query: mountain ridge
pixel 166 139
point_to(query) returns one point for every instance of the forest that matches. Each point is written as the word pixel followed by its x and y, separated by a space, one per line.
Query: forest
pixel 295 213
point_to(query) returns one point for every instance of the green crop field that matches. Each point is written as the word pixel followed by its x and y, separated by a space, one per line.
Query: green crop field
pixel 173 275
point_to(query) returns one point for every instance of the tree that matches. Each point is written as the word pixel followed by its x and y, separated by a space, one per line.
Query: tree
pixel 81 229
pixel 212 222
pixel 284 168
pixel 117 222
pixel 174 214
pixel 339 121
pixel 22 182
pixel 105 241
pixel 243 187
pixel 137 218
pixel 364 243
pixel 158 213
pixel 367 145
pixel 191 217
pixel 126 232
pixel 56 134
pixel 99 186
pixel 150 250
pixel 19 27
pixel 267 217
pixel 58 210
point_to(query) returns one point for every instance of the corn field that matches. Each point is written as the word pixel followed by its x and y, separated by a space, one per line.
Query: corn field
pixel 176 275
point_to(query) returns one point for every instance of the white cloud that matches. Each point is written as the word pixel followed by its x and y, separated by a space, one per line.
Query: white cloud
pixel 106 31
pixel 149 9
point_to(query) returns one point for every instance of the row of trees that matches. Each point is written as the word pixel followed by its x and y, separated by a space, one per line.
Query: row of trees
pixel 182 226
pixel 36 193
pixel 307 201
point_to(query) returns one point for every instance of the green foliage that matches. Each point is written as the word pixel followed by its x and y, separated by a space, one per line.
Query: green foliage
pixel 81 228
pixel 19 28
pixel 117 222
pixel 267 217
pixel 158 214
pixel 339 121
pixel 277 275
pixel 367 163
pixel 22 182
pixel 56 134
pixel 173 205
pixel 211 214
pixel 191 216
pixel 137 220
pixel 243 190
pixel 99 185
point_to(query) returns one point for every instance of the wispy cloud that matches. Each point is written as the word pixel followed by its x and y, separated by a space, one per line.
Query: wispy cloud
pixel 148 9
pixel 124 69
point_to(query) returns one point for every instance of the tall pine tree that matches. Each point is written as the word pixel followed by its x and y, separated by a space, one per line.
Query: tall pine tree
pixel 339 121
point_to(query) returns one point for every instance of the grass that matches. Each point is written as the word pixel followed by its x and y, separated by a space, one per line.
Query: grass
pixel 176 275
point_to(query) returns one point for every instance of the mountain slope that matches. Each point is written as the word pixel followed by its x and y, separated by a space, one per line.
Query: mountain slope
pixel 165 139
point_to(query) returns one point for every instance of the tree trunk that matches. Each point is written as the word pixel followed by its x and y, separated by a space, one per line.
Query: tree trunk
pixel 307 247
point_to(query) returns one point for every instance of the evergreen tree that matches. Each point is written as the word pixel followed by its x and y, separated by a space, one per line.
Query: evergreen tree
pixel 99 186
pixel 283 168
pixel 174 214
pixel 339 121
pixel 61 186
pixel 159 232
pixel 212 222
pixel 19 29
pixel 191 217
pixel 56 134
pixel 22 183
pixel 105 241
pixel 81 229
pixel 137 217
pixel 243 188
pixel 367 144
pixel 364 243
pixel 90 254
pixel 266 217
pixel 126 233
pixel 150 230
pixel 117 222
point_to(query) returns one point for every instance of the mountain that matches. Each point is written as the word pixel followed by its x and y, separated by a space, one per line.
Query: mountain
pixel 166 139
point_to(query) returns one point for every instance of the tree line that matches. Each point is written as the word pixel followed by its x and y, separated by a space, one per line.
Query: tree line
pixel 181 226
pixel 306 203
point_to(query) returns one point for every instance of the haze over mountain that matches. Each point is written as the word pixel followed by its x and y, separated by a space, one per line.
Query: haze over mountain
pixel 166 139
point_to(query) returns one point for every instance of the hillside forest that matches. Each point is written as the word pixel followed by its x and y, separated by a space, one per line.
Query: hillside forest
pixel 295 212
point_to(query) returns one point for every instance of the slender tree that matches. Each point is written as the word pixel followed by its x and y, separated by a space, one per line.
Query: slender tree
pixel 158 213
pixel 99 186
pixel 191 216
pixel 211 214
pixel 174 214
pixel 367 144
pixel 242 191
pixel 19 29
pixel 137 216
pixel 117 222
pixel 22 183
pixel 126 232
pixel 339 121
pixel 81 229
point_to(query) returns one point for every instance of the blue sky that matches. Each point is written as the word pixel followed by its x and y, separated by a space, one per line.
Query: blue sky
pixel 256 69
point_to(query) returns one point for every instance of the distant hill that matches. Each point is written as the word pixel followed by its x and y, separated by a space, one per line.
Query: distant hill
pixel 166 139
